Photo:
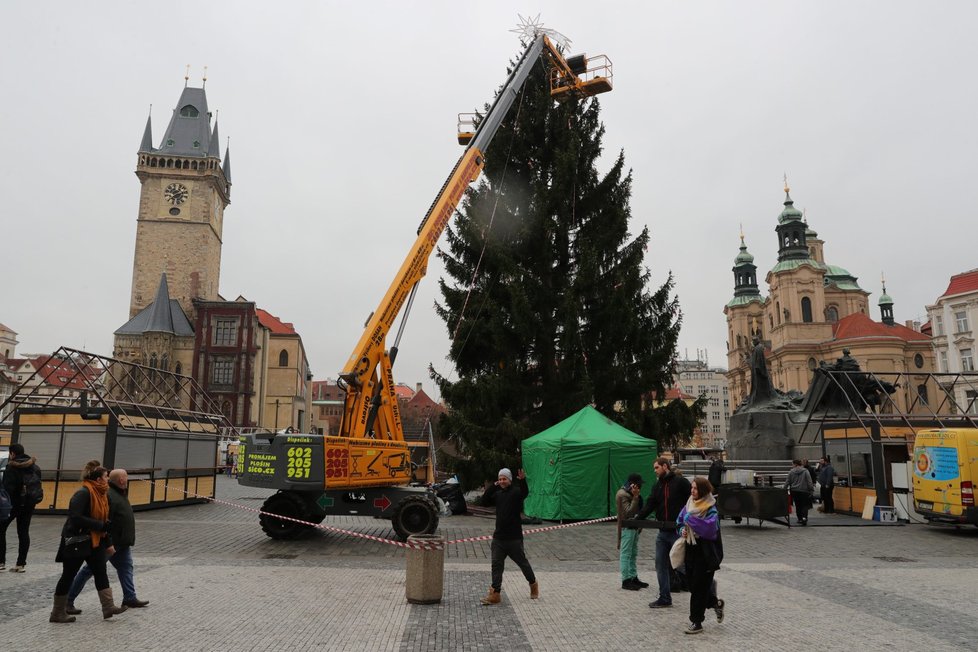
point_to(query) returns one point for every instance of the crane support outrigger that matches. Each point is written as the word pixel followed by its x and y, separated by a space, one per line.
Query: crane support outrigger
pixel 319 475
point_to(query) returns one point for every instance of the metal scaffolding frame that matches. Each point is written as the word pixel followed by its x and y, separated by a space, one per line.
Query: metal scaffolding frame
pixel 137 396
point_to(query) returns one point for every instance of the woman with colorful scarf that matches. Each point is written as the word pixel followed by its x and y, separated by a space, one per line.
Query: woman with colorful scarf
pixel 88 514
pixel 699 526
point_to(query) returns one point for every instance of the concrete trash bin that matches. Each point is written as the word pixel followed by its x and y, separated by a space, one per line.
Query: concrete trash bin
pixel 425 579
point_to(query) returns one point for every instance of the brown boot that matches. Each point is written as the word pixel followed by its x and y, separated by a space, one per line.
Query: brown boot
pixel 535 590
pixel 71 609
pixel 108 605
pixel 58 614
pixel 493 597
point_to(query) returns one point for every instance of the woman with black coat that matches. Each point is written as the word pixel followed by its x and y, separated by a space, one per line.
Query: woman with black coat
pixel 88 516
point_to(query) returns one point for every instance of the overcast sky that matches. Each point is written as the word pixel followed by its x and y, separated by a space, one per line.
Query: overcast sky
pixel 342 125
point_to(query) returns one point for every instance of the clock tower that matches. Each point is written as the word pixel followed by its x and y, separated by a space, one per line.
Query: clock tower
pixel 185 189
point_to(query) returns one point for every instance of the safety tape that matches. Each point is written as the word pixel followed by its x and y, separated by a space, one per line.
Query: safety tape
pixel 418 545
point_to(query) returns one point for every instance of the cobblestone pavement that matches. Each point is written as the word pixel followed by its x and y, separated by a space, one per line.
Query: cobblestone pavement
pixel 215 581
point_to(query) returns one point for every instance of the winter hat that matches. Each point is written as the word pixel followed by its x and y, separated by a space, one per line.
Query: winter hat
pixel 507 473
pixel 635 478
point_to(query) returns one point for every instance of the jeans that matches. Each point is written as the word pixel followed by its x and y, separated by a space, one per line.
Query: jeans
pixel 828 502
pixel 514 550
pixel 22 514
pixel 802 502
pixel 628 553
pixel 122 561
pixel 663 566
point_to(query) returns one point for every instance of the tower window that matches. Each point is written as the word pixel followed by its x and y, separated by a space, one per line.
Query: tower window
pixel 222 372
pixel 283 358
pixel 189 111
pixel 806 310
pixel 831 314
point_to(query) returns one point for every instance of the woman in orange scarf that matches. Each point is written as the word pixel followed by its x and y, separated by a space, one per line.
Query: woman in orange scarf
pixel 88 515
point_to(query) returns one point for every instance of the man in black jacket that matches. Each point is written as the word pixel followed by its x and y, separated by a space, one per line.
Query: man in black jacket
pixel 23 507
pixel 507 539
pixel 668 497
pixel 122 529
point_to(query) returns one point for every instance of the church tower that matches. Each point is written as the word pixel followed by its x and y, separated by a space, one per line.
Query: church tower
pixel 745 320
pixel 184 193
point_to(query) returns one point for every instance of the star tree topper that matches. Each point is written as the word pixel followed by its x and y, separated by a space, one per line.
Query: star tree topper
pixel 528 29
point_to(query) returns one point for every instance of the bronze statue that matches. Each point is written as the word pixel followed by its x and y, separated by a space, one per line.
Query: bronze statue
pixel 760 380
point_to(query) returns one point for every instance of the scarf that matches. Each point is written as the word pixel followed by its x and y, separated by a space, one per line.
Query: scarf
pixel 697 508
pixel 701 506
pixel 98 506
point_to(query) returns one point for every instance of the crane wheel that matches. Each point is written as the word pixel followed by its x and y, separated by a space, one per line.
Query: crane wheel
pixel 285 503
pixel 415 515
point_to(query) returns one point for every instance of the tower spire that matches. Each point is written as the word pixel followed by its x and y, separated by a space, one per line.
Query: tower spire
pixel 147 143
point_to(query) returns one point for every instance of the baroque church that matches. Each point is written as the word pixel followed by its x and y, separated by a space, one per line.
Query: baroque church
pixel 250 363
pixel 813 311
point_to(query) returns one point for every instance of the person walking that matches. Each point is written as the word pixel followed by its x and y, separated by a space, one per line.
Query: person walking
pixel 88 525
pixel 826 481
pixel 699 525
pixel 799 484
pixel 668 497
pixel 629 501
pixel 507 539
pixel 123 534
pixel 20 468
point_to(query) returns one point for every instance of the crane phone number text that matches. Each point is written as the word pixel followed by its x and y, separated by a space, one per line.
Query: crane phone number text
pixel 300 462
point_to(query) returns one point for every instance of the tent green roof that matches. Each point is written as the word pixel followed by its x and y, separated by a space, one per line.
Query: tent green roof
pixel 574 468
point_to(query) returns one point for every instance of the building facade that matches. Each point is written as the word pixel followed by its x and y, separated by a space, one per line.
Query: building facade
pixel 953 321
pixel 697 378
pixel 813 311
pixel 251 364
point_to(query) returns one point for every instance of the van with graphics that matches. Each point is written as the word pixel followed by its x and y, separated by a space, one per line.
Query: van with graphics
pixel 945 469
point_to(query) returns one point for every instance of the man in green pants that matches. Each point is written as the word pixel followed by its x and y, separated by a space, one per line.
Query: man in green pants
pixel 629 501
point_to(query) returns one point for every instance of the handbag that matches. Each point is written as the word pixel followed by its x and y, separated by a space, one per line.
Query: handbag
pixel 677 554
pixel 77 547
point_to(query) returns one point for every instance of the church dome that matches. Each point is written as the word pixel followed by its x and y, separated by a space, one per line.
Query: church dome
pixel 790 213
pixel 744 257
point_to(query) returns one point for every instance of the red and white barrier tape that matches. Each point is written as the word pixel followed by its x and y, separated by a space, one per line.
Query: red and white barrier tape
pixel 422 545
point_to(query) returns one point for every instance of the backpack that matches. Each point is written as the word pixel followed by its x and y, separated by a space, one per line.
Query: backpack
pixel 33 489
pixel 6 507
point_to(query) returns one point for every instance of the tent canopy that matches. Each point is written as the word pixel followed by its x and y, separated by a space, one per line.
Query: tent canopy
pixel 574 468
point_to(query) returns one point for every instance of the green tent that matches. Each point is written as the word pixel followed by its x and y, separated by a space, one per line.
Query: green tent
pixel 575 467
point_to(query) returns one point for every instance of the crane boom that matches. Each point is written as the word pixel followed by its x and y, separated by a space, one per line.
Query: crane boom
pixel 371 406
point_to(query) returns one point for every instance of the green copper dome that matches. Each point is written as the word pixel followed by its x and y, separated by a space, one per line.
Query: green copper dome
pixel 743 257
pixel 790 213
pixel 886 300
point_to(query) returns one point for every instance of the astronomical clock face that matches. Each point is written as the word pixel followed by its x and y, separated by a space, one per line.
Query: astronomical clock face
pixel 176 193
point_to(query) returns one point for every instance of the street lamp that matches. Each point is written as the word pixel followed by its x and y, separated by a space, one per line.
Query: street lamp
pixel 276 415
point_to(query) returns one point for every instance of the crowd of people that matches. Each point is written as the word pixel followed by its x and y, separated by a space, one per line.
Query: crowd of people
pixel 100 529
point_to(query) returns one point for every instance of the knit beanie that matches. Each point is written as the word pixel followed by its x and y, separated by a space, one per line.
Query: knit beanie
pixel 506 473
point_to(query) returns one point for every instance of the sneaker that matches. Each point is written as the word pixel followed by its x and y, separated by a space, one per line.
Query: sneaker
pixel 694 628
pixel 630 584
pixel 17 569
pixel 3 566
pixel 659 604
pixel 641 584
pixel 719 610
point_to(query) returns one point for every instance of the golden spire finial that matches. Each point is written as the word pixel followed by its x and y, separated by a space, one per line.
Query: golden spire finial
pixel 786 188
pixel 205 78
pixel 741 233
pixel 186 76
pixel 883 281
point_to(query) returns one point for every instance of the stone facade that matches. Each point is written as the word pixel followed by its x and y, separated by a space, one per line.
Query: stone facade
pixel 812 312
pixel 953 324
pixel 187 246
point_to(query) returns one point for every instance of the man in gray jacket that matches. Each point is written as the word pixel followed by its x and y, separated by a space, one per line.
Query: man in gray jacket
pixel 799 484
